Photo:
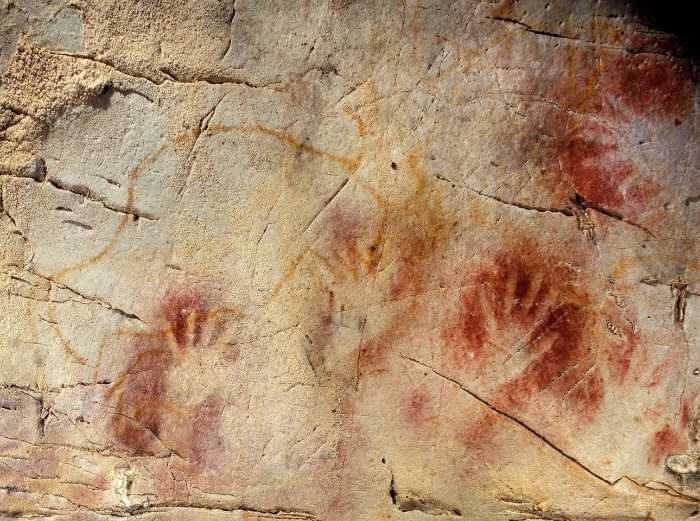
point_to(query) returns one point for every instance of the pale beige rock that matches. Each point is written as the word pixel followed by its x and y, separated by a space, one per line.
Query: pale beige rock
pixel 348 260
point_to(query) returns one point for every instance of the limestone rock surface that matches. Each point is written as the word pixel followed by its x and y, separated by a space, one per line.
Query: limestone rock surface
pixel 341 260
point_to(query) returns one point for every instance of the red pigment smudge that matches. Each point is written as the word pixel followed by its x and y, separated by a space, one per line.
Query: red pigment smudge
pixel 664 442
pixel 685 413
pixel 143 414
pixel 592 163
pixel 648 86
pixel 598 99
pixel 621 345
pixel 184 314
pixel 587 395
pixel 417 407
pixel 557 343
pixel 352 248
pixel 421 228
pixel 479 435
pixel 531 311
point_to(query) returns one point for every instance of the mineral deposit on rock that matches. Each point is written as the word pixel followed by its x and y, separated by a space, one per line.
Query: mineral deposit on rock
pixel 335 260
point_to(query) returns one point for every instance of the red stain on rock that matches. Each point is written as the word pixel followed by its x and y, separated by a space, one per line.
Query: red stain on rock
pixel 664 442
pixel 646 85
pixel 185 313
pixel 620 346
pixel 417 408
pixel 593 151
pixel 138 409
pixel 480 434
pixel 354 247
pixel 592 163
pixel 659 372
pixel 557 345
pixel 588 106
pixel 146 421
pixel 530 314
pixel 407 237
pixel 420 228
pixel 586 395
pixel 520 301
pixel 685 414
pixel 468 339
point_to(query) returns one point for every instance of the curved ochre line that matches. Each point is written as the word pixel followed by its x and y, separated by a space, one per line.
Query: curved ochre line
pixel 132 178
pixel 350 165
pixel 60 276
pixel 340 265
pixel 166 343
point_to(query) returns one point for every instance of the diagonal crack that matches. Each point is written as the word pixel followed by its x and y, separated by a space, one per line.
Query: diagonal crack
pixel 583 204
pixel 100 302
pixel 328 201
pixel 582 41
pixel 200 131
pixel 568 457
pixel 513 419
pixel 564 211
pixel 17 230
pixel 522 206
pixel 531 29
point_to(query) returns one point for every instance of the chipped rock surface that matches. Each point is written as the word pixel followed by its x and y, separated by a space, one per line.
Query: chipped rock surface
pixel 348 260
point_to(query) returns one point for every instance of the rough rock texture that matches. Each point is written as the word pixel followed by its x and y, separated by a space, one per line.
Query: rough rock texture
pixel 348 260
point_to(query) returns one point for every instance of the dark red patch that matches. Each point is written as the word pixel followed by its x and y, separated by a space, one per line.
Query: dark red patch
pixel 136 423
pixel 594 101
pixel 468 338
pixel 327 316
pixel 184 314
pixel 528 300
pixel 664 442
pixel 685 413
pixel 529 313
pixel 557 345
pixel 145 421
pixel 592 163
pixel 646 85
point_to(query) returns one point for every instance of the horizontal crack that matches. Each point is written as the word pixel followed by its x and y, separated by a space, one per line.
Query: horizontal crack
pixel 530 29
pixel 564 211
pixel 61 285
pixel 672 284
pixel 522 206
pixel 85 192
pixel 274 513
pixel 170 77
